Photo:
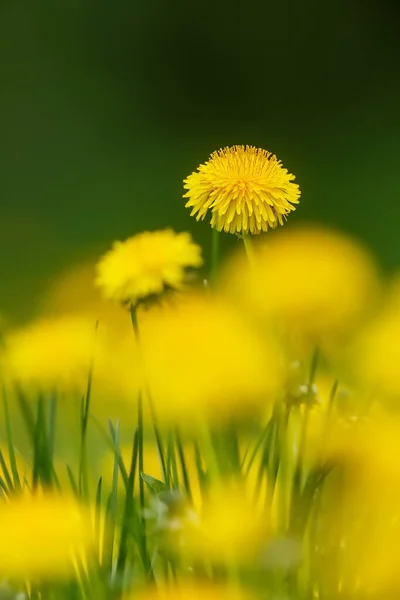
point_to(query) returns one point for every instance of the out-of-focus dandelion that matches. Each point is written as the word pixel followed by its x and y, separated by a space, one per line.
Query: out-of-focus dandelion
pixel 50 355
pixel 375 356
pixel 202 359
pixel 315 284
pixel 359 532
pixel 246 189
pixel 194 590
pixel 146 265
pixel 229 527
pixel 74 291
pixel 43 535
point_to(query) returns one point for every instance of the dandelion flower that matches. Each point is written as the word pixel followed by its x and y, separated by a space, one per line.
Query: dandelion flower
pixel 229 528
pixel 194 590
pixel 74 291
pixel 50 354
pixel 146 265
pixel 202 358
pixel 43 535
pixel 368 529
pixel 315 284
pixel 376 354
pixel 246 189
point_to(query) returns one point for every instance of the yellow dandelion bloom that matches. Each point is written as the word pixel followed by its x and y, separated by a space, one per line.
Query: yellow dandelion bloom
pixel 74 291
pixel 364 516
pixel 50 354
pixel 194 590
pixel 229 527
pixel 43 535
pixel 246 189
pixel 202 358
pixel 376 354
pixel 146 265
pixel 314 284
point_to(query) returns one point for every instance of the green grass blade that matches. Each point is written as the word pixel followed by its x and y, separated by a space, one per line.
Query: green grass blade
pixel 182 460
pixel 10 443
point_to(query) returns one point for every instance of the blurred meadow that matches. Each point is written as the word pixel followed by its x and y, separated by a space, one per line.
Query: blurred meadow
pixel 199 300
pixel 105 107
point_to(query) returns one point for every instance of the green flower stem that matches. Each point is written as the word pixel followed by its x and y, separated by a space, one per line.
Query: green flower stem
pixel 215 252
pixel 304 425
pixel 83 479
pixel 210 455
pixel 140 453
pixel 10 443
pixel 160 446
pixel 182 460
pixel 248 246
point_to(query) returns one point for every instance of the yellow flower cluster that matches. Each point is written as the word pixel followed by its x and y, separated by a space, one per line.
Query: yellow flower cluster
pixel 259 412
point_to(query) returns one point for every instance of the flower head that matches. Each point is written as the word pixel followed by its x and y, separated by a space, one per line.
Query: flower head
pixel 245 188
pixel 43 534
pixel 202 358
pixel 194 590
pixel 147 264
pixel 229 527
pixel 313 283
pixel 50 354
pixel 376 354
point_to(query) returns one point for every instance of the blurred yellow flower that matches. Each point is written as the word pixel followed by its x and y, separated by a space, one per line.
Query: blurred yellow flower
pixel 202 359
pixel 54 355
pixel 313 283
pixel 364 518
pixel 43 535
pixel 375 356
pixel 246 190
pixel 50 354
pixel 74 291
pixel 329 427
pixel 117 376
pixel 146 265
pixel 229 527
pixel 194 590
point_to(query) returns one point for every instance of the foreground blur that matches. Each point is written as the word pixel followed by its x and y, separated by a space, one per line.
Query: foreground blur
pixel 233 440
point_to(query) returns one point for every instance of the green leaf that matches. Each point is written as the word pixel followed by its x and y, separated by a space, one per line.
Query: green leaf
pixel 155 485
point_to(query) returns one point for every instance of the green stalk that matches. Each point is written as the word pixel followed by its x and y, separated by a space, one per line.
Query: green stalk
pixel 159 442
pixel 172 466
pixel 210 455
pixel 182 460
pixel 298 475
pixel 42 461
pixel 111 443
pixel 215 252
pixel 129 506
pixel 83 478
pixel 111 511
pixel 10 443
pixel 248 247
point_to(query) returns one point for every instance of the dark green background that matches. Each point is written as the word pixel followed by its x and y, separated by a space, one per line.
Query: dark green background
pixel 107 105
